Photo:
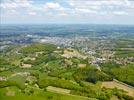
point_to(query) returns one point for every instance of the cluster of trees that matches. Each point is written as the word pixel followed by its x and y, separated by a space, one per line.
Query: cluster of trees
pixel 108 66
pixel 37 48
pixel 91 74
pixel 77 61
pixel 83 89
pixel 56 67
pixel 123 73
pixel 106 94
pixel 43 83
pixel 12 83
pixel 41 59
pixel 44 58
pixel 4 62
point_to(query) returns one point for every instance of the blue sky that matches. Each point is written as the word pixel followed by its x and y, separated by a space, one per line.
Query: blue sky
pixel 67 11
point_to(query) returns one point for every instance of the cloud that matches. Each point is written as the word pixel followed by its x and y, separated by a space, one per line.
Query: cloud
pixel 8 5
pixel 19 8
pixel 63 14
pixel 83 10
pixel 101 6
pixel 55 9
pixel 120 13
pixel 16 4
pixel 32 13
pixel 51 5
pixel 70 9
pixel 76 7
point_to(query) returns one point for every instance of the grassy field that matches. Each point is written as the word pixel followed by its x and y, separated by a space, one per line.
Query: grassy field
pixel 54 77
pixel 113 84
pixel 65 92
pixel 38 95
pixel 58 90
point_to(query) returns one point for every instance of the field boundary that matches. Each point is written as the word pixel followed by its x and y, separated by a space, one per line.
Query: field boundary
pixel 50 90
pixel 123 83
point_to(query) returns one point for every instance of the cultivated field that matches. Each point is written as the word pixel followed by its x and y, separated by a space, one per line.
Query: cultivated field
pixel 113 84
pixel 66 92
pixel 58 90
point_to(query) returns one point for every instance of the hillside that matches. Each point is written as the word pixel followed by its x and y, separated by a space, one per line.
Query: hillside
pixel 38 71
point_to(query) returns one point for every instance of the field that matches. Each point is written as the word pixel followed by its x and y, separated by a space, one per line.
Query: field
pixel 113 84
pixel 65 92
pixel 57 90
pixel 38 95
pixel 52 76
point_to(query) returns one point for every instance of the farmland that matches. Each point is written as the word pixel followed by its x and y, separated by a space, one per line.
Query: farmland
pixel 43 71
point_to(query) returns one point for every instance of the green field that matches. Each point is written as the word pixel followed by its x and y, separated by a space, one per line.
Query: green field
pixel 63 74
pixel 38 95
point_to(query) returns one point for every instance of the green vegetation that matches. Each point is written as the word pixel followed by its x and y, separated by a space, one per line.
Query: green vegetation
pixel 123 73
pixel 38 95
pixel 91 74
pixel 50 68
pixel 124 48
pixel 124 53
pixel 37 48
pixel 4 62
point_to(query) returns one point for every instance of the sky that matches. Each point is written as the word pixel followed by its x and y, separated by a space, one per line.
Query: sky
pixel 67 11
